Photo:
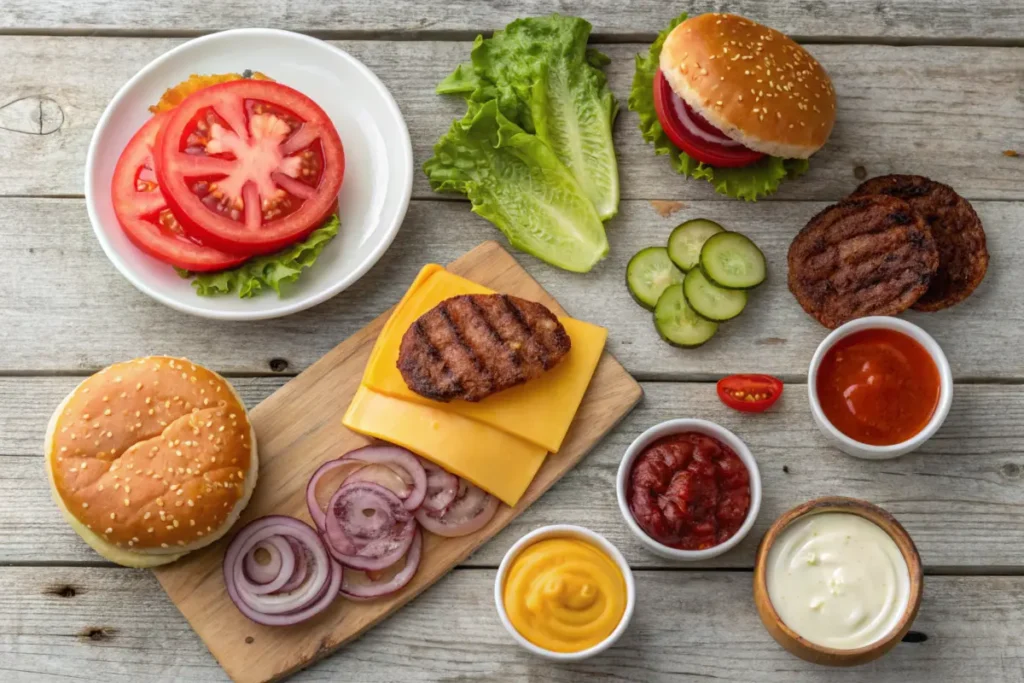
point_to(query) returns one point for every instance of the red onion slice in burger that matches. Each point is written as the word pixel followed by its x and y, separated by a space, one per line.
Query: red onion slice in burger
pixel 309 579
pixel 359 585
pixel 470 511
pixel 697 125
pixel 442 488
pixel 367 526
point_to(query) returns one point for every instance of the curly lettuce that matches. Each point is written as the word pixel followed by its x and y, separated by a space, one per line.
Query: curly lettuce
pixel 271 271
pixel 748 182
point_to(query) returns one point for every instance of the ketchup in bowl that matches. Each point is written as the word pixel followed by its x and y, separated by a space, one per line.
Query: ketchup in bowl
pixel 689 491
pixel 878 386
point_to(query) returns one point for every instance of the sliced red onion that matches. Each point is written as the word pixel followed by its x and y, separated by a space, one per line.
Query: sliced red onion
pixel 367 526
pixel 307 578
pixel 401 461
pixel 685 117
pixel 324 484
pixel 442 488
pixel 384 475
pixel 357 585
pixel 471 510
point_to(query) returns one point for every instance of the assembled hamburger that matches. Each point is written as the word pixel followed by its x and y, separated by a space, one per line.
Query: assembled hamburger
pixel 734 102
pixel 150 459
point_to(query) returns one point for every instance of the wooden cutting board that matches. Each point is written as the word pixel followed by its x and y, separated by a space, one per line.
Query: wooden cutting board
pixel 298 428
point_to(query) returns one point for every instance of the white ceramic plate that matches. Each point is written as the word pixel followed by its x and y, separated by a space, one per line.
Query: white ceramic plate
pixel 378 164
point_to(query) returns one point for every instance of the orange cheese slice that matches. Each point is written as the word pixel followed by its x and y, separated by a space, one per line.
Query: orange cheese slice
pixel 497 462
pixel 539 411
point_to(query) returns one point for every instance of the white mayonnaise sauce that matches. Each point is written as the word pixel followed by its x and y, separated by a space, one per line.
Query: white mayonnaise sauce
pixel 837 580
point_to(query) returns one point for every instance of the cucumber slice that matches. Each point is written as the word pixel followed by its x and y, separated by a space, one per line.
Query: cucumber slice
pixel 730 260
pixel 678 324
pixel 710 301
pixel 649 272
pixel 686 240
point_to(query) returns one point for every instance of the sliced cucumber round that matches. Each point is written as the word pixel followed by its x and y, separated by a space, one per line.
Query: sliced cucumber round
pixel 678 324
pixel 649 272
pixel 686 240
pixel 732 261
pixel 710 301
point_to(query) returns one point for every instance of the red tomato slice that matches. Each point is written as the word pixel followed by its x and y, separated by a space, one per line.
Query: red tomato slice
pixel 668 105
pixel 749 393
pixel 143 214
pixel 249 166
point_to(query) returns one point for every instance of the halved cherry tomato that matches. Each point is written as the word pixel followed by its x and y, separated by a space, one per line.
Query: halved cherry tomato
pixel 666 102
pixel 249 166
pixel 749 393
pixel 143 214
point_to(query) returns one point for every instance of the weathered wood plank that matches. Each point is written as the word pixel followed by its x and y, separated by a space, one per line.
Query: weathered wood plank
pixel 117 627
pixel 893 19
pixel 65 308
pixel 961 497
pixel 946 112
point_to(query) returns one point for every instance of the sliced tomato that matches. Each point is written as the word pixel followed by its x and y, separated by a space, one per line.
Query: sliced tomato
pixel 249 166
pixel 700 139
pixel 749 393
pixel 143 214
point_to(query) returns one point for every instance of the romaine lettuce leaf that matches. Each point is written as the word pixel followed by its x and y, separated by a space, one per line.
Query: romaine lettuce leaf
pixel 547 82
pixel 272 270
pixel 748 182
pixel 515 181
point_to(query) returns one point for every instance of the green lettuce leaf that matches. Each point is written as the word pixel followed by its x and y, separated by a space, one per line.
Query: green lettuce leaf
pixel 546 81
pixel 515 181
pixel 748 182
pixel 272 270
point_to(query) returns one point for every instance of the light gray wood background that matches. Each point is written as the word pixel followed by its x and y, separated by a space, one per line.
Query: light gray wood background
pixel 924 87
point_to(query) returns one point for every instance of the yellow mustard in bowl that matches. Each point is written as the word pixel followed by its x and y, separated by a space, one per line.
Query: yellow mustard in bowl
pixel 564 594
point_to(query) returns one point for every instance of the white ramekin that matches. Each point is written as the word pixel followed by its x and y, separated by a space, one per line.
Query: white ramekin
pixel 565 531
pixel 868 451
pixel 678 426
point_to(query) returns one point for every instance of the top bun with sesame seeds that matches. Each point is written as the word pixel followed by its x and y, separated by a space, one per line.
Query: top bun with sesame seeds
pixel 753 83
pixel 151 459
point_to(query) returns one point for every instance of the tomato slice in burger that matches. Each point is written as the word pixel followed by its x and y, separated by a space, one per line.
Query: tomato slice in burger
pixel 143 214
pixel 749 393
pixel 690 132
pixel 249 166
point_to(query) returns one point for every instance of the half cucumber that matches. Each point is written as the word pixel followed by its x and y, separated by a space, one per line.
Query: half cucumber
pixel 649 272
pixel 730 260
pixel 710 301
pixel 685 242
pixel 678 324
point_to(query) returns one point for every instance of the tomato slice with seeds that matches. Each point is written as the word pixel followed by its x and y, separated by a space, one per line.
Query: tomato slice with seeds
pixel 691 132
pixel 143 213
pixel 749 393
pixel 249 166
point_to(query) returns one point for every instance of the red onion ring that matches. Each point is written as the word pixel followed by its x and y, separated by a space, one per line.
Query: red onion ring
pixel 367 526
pixel 442 488
pixel 305 569
pixel 400 460
pixel 686 118
pixel 354 589
pixel 470 512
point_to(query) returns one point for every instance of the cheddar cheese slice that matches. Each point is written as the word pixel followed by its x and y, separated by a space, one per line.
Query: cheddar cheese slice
pixel 497 462
pixel 539 411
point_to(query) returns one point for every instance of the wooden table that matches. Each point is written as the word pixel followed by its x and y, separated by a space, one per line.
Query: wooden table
pixel 924 87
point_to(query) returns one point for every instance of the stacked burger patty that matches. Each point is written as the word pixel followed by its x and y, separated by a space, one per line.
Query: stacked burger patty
pixel 898 241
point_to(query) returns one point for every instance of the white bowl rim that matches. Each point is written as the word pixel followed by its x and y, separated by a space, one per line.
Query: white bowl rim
pixel 676 426
pixel 918 334
pixel 563 531
pixel 405 147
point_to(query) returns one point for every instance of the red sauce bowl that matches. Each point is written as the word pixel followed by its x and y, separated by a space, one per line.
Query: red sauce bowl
pixel 671 428
pixel 909 403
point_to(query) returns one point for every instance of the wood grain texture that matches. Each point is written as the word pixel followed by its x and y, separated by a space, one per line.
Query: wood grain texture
pixel 908 19
pixel 961 497
pixel 688 626
pixel 944 112
pixel 298 428
pixel 66 309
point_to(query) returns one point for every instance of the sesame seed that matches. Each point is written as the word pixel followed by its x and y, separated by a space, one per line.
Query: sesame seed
pixel 191 503
pixel 85 505
pixel 147 515
pixel 127 502
pixel 163 545
pixel 113 515
pixel 109 530
pixel 149 530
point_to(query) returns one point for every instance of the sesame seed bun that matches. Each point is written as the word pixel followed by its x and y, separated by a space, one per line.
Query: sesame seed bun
pixel 151 459
pixel 751 82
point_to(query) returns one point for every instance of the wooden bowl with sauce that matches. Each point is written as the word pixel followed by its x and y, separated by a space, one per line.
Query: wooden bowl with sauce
pixel 821 654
